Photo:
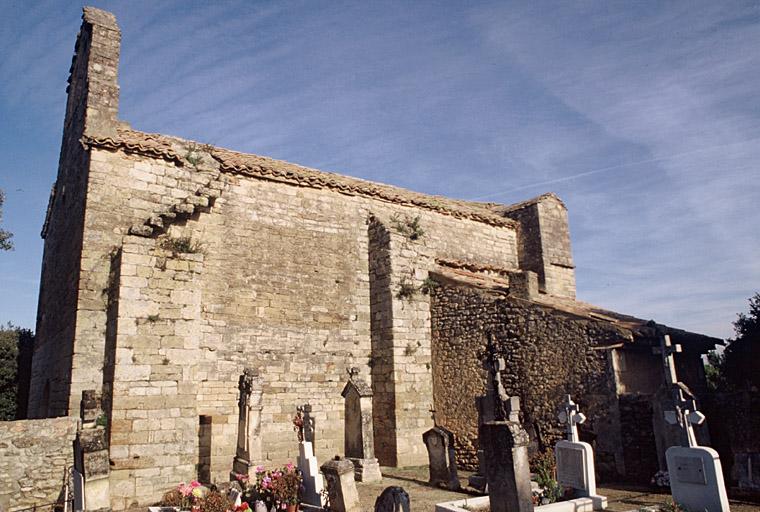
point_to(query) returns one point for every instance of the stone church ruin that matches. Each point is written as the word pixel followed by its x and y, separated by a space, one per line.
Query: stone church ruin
pixel 170 267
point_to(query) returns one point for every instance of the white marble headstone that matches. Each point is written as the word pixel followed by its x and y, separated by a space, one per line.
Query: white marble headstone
pixel 696 478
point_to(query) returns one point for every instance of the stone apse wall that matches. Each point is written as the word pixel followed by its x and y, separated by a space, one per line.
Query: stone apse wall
pixel 548 354
pixel 33 457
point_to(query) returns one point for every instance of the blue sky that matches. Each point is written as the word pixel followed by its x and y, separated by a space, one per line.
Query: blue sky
pixel 644 117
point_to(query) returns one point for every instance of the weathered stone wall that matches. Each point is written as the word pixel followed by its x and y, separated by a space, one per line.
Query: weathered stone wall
pixel 33 457
pixel 547 354
pixel 544 243
pixel 734 422
pixel 639 448
pixel 60 370
pixel 284 285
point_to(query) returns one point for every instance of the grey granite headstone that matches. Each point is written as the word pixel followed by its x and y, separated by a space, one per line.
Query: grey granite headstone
pixel 505 445
pixel 443 466
pixel 358 435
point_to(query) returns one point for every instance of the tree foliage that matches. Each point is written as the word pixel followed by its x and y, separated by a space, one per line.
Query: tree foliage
pixel 13 341
pixel 737 367
pixel 5 236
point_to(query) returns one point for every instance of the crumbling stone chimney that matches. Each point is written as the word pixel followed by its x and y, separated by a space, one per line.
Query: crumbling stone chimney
pixel 543 244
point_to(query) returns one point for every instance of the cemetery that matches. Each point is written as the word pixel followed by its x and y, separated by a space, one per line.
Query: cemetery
pixel 221 331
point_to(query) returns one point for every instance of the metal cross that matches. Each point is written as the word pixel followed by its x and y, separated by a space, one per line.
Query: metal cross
pixel 572 417
pixel 666 349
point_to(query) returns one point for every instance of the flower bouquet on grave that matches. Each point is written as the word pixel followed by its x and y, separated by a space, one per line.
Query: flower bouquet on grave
pixel 298 425
pixel 186 496
pixel 287 487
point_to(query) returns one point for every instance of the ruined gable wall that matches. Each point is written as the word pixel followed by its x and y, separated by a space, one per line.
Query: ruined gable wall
pixel 547 355
pixel 283 286
pixel 33 457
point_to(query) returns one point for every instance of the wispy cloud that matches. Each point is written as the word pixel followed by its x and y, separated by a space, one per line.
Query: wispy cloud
pixel 644 117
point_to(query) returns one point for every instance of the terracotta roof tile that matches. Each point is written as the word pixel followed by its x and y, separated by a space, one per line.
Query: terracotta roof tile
pixel 174 149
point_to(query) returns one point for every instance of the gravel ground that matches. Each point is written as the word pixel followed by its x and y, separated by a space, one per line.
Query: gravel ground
pixel 423 497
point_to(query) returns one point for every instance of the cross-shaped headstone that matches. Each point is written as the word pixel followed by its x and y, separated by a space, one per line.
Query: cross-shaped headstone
pixel 308 422
pixel 570 415
pixel 495 364
pixel 667 349
pixel 685 414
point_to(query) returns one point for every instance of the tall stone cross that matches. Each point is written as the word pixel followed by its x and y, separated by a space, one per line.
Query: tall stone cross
pixel 432 415
pixel 572 417
pixel 667 349
pixel 685 413
pixel 503 406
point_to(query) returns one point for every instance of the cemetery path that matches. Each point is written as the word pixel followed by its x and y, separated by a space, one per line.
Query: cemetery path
pixel 423 497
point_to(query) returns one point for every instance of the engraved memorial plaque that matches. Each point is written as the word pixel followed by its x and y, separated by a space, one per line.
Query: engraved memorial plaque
pixel 570 470
pixel 690 470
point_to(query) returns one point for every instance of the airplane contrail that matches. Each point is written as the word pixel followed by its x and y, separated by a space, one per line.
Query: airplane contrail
pixel 610 168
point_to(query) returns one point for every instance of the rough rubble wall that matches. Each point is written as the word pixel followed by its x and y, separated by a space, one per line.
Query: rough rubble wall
pixel 639 446
pixel 60 370
pixel 547 355
pixel 33 457
pixel 284 287
pixel 734 422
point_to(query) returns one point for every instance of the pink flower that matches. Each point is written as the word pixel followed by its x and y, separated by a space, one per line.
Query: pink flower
pixel 195 483
pixel 260 469
pixel 290 467
pixel 185 490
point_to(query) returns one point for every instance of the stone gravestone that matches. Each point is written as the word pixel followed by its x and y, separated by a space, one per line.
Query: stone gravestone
pixel 249 425
pixel 575 459
pixel 696 475
pixel 341 487
pixel 359 439
pixel 443 465
pixel 486 405
pixel 307 461
pixel 505 446
pixel 91 462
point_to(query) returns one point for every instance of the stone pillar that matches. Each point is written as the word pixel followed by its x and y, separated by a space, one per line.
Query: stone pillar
pixel 358 435
pixel 505 448
pixel 341 487
pixel 91 454
pixel 249 425
pixel 443 465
